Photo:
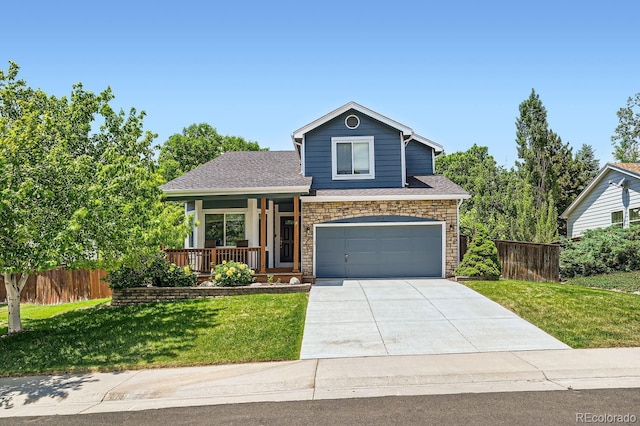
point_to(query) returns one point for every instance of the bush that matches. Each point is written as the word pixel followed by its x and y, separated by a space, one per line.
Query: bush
pixel 481 258
pixel 161 273
pixel 156 272
pixel 601 251
pixel 124 277
pixel 231 273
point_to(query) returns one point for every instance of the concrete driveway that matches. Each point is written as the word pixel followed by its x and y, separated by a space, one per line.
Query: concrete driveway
pixel 353 318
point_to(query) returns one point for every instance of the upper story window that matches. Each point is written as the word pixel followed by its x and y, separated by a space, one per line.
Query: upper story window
pixel 352 157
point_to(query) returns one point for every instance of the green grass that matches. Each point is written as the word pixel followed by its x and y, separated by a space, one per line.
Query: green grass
pixel 628 282
pixel 236 329
pixel 580 317
pixel 30 312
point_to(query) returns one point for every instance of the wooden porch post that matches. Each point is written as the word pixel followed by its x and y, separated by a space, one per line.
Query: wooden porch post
pixel 296 234
pixel 263 235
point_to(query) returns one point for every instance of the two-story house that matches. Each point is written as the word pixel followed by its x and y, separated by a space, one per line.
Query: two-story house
pixel 357 197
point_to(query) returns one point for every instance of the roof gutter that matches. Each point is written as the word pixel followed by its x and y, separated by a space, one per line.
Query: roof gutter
pixel 237 191
pixel 335 198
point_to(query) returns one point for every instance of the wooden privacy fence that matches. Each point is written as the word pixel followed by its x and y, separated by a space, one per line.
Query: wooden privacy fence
pixel 62 286
pixel 525 261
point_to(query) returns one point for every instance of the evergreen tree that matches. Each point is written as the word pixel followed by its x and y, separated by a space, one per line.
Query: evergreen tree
pixel 481 258
pixel 555 177
pixel 626 140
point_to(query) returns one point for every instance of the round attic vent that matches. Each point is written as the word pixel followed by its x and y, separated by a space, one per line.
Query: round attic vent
pixel 352 121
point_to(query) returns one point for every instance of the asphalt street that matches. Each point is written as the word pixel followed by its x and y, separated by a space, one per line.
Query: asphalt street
pixel 570 407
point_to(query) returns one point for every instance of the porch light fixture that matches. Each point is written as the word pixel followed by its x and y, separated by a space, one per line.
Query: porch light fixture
pixel 307 230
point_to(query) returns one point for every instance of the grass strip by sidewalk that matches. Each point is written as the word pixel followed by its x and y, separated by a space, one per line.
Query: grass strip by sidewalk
pixel 261 327
pixel 580 317
pixel 627 282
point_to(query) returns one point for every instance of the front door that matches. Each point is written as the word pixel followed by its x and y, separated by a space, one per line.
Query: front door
pixel 286 239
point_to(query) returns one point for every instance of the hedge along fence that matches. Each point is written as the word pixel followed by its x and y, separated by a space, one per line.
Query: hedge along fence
pixel 62 286
pixel 525 261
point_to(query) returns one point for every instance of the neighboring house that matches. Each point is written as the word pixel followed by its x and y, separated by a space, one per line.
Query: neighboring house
pixel 358 197
pixel 612 198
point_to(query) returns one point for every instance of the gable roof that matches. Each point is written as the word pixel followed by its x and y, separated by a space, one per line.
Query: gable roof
pixel 407 131
pixel 630 169
pixel 243 172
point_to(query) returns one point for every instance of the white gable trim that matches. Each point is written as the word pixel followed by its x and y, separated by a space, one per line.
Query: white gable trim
pixel 601 174
pixel 428 142
pixel 298 134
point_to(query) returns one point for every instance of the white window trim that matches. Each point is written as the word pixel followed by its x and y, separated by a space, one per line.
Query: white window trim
pixel 633 221
pixel 225 212
pixel 334 157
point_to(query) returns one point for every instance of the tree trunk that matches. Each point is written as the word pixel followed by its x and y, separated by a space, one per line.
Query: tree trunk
pixel 14 283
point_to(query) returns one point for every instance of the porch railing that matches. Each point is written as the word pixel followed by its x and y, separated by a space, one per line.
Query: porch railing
pixel 203 260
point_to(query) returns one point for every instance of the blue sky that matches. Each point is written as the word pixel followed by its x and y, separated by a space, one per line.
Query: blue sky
pixel 453 71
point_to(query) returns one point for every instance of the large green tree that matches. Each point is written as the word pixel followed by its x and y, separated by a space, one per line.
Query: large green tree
pixel 548 166
pixel 73 192
pixel 478 173
pixel 196 145
pixel 626 140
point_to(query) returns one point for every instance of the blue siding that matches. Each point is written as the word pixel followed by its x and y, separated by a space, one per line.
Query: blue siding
pixel 317 149
pixel 419 159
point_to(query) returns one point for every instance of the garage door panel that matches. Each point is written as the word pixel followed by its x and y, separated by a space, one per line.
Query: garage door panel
pixel 379 251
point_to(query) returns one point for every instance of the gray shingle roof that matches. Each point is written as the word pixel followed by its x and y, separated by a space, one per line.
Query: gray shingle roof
pixel 246 169
pixel 428 186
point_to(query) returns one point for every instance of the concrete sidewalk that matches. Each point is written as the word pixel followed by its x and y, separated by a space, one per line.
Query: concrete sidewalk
pixel 321 379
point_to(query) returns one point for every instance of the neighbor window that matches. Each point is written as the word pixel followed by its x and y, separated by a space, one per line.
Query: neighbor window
pixel 224 228
pixel 634 216
pixel 617 218
pixel 353 157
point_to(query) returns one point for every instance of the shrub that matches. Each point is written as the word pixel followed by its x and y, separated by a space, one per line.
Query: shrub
pixel 601 251
pixel 481 258
pixel 161 273
pixel 124 277
pixel 229 274
pixel 157 272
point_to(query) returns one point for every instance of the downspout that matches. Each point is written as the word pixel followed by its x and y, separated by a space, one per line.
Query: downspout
pixel 403 157
pixel 433 161
pixel 458 204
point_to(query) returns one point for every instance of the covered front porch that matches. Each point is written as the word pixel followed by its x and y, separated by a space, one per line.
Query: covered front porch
pixel 230 228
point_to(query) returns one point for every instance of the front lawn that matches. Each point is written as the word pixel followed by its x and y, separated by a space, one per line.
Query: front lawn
pixel 628 282
pixel 580 317
pixel 29 312
pixel 261 327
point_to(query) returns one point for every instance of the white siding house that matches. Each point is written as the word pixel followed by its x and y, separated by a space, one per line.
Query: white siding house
pixel 612 198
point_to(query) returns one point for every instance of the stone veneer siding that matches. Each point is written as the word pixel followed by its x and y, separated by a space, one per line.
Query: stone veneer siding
pixel 133 296
pixel 322 212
